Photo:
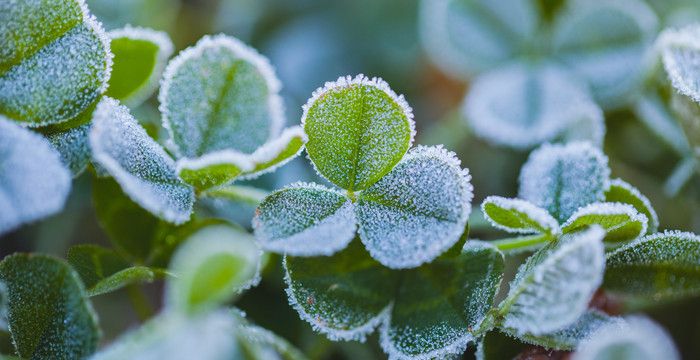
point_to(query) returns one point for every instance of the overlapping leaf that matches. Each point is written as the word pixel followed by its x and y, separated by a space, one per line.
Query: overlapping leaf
pixel 621 222
pixel 680 52
pixel 518 216
pixel 622 192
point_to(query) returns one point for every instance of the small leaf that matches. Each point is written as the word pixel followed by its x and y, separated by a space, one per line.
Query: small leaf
pixel 49 314
pixel 243 194
pixel 143 169
pixel 305 220
pixel 74 147
pixel 220 95
pixel 55 60
pixel 140 55
pixel 210 267
pixel 358 130
pixel 622 192
pixel 33 182
pixel 260 343
pixel 680 53
pixel 277 152
pixel 553 288
pixel 563 178
pixel 655 269
pixel 418 210
pixel 518 216
pixel 621 222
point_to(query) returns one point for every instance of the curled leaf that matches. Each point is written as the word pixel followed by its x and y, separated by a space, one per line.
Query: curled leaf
pixel 518 216
pixel 622 192
pixel 680 53
pixel 621 222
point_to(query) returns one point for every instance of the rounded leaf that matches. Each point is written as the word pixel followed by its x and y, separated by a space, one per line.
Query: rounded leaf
pixel 518 216
pixel 621 222
pixel 622 192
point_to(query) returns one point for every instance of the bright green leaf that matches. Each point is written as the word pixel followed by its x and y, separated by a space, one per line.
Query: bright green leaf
pixel 622 192
pixel 518 216
pixel 621 222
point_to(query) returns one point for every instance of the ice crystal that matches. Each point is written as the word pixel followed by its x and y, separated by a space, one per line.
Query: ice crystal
pixel 680 52
pixel 74 147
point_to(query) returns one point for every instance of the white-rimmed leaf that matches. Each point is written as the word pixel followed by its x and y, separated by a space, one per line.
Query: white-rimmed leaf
pixel 33 182
pixel 553 288
pixel 358 130
pixel 143 169
pixel 277 152
pixel 418 210
pixel 54 60
pixel 621 222
pixel 680 53
pixel 637 338
pixel 140 55
pixel 622 192
pixel 465 37
pixel 518 216
pixel 305 220
pixel 213 264
pixel 522 105
pixel 604 42
pixel 74 147
pixel 220 95
pixel 563 178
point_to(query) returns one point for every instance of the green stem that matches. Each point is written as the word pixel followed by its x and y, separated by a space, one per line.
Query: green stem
pixel 521 243
pixel 144 309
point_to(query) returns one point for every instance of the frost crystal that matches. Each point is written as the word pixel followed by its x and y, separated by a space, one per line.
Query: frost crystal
pixel 680 52
pixel 418 210
pixel 143 169
pixel 74 147
pixel 562 178
pixel 33 183
pixel 518 216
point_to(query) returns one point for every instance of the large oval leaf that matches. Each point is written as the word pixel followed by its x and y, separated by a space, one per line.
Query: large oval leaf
pixel 358 130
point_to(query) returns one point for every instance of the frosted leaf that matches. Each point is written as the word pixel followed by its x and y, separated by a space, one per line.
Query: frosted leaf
pixel 622 192
pixel 220 95
pixel 33 182
pixel 437 306
pixel 140 55
pixel 553 287
pixel 172 335
pixel 344 296
pixel 518 216
pixel 305 220
pixel 522 105
pixel 418 210
pixel 621 222
pixel 465 37
pixel 74 147
pixel 604 42
pixel 687 112
pixel 277 152
pixel 143 169
pixel 213 264
pixel 656 268
pixel 562 178
pixel 260 343
pixel 55 60
pixel 680 53
pixel 358 129
pixel 638 338
pixel 496 345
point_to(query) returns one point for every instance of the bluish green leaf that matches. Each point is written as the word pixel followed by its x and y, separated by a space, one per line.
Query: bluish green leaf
pixel 680 52
pixel 277 152
pixel 358 130
pixel 621 222
pixel 518 216
pixel 623 192
pixel 74 147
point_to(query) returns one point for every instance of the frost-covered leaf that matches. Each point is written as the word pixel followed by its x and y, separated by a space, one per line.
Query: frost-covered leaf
pixel 74 147
pixel 358 130
pixel 418 210
pixel 465 37
pixel 259 343
pixel 237 193
pixel 637 338
pixel 33 182
pixel 553 288
pixel 522 105
pixel 144 170
pixel 212 265
pixel 344 296
pixel 140 55
pixel 103 270
pixel 680 53
pixel 305 220
pixel 496 345
pixel 562 178
pixel 604 42
pixel 220 95
pixel 518 216
pixel 656 268
pixel 622 192
pixel 54 60
pixel 277 152
pixel 621 222
pixel 49 314
pixel 687 113
pixel 437 306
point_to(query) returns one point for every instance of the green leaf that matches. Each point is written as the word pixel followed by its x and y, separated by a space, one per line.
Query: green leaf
pixel 621 222
pixel 33 182
pixel 418 210
pixel 144 170
pixel 305 220
pixel 74 147
pixel 563 178
pixel 518 216
pixel 553 287
pixel 687 112
pixel 655 269
pixel 220 95
pixel 680 53
pixel 497 346
pixel 49 314
pixel 358 130
pixel 277 152
pixel 140 55
pixel 622 192
pixel 212 265
pixel 55 60
pixel 259 343
pixel 237 193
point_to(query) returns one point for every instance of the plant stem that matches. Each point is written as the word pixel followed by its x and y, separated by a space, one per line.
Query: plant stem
pixel 521 243
pixel 144 309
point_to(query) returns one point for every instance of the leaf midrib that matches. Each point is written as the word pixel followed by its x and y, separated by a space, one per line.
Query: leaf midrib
pixel 213 116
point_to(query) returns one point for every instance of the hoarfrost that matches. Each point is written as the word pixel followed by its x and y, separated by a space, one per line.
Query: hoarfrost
pixel 622 191
pixel 680 52
pixel 518 216
pixel 620 221
pixel 74 147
